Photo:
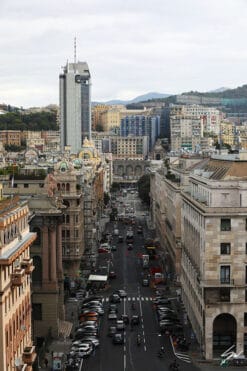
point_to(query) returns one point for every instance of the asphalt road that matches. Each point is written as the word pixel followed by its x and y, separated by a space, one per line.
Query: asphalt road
pixel 127 265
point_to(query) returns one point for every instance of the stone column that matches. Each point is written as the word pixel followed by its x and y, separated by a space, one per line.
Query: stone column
pixel 53 247
pixel 59 252
pixel 45 255
pixel 240 335
pixel 208 346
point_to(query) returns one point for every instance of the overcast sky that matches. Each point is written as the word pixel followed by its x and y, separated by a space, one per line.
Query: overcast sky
pixel 132 46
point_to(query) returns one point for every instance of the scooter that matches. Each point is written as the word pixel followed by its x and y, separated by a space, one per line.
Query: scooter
pixel 138 340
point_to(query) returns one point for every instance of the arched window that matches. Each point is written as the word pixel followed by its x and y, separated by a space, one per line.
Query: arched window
pixel 67 187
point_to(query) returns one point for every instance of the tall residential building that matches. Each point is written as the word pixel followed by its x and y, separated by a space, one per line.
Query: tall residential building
pixel 141 125
pixel 75 105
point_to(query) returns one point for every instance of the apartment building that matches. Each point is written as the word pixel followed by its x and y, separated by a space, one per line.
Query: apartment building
pixel 112 117
pixel 140 125
pixel 16 267
pixel 186 132
pixel 132 147
pixel 10 137
pixel 214 263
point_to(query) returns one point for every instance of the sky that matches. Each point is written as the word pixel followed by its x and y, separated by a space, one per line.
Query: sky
pixel 131 46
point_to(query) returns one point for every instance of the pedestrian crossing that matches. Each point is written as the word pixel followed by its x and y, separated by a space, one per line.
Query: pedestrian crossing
pixel 132 298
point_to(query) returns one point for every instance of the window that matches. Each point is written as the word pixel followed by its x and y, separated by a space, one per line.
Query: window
pixel 225 248
pixel 225 294
pixel 37 312
pixel 225 274
pixel 245 247
pixel 26 185
pixel 246 274
pixel 225 225
pixel 245 319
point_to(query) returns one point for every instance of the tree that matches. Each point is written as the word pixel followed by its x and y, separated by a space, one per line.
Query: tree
pixel 143 185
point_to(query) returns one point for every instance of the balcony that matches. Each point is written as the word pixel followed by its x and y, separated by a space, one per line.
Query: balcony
pixel 27 264
pixel 218 283
pixel 29 355
pixel 18 277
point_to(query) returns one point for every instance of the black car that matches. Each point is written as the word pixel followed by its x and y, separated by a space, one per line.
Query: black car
pixel 125 318
pixel 118 338
pixel 113 307
pixel 135 319
pixel 162 301
pixel 115 298
pixel 145 282
pixel 120 238
pixel 112 331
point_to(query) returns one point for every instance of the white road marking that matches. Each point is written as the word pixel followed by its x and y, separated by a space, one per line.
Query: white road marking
pixel 124 361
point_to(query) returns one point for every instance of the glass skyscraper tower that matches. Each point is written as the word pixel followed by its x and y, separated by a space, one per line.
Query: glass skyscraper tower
pixel 75 105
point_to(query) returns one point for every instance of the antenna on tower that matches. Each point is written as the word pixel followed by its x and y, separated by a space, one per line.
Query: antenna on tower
pixel 75 50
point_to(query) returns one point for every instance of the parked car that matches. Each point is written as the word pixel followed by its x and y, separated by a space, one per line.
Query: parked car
pixel 91 338
pixel 118 338
pixel 114 248
pixel 92 298
pixel 130 246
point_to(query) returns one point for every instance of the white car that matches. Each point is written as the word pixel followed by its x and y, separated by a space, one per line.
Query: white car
pixel 120 324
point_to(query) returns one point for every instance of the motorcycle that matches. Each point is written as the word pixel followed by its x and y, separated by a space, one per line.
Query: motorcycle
pixel 138 340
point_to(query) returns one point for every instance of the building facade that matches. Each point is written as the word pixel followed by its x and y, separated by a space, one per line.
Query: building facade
pixel 132 147
pixel 214 265
pixel 16 267
pixel 75 105
pixel 141 126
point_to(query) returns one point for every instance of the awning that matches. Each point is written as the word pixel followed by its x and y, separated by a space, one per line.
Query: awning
pixel 97 277
pixel 65 328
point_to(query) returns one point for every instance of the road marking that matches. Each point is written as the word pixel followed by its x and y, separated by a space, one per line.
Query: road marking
pixel 124 361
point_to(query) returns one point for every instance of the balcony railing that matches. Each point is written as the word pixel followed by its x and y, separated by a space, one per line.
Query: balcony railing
pixel 220 282
pixel 29 355
pixel 18 277
pixel 27 264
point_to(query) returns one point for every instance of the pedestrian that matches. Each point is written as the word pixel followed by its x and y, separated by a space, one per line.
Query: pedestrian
pixel 46 362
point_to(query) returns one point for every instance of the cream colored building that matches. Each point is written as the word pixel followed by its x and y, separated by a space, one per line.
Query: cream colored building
pixel 16 267
pixel 214 247
pixel 186 132
pixel 129 147
pixel 112 117
pixel 228 135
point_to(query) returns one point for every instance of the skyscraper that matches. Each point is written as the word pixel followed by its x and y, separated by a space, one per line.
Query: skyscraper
pixel 75 105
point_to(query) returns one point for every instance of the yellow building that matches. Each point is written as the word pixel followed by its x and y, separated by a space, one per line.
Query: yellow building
pixel 227 133
pixel 112 117
pixel 10 137
pixel 96 115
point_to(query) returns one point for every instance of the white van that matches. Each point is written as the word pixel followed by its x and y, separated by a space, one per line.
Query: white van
pixel 116 232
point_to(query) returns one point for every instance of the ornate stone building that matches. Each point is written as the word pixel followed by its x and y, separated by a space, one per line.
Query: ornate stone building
pixel 16 267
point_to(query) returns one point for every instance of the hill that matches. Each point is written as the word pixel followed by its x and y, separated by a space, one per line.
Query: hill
pixel 140 98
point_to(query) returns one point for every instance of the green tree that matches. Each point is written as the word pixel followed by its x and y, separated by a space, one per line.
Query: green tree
pixel 143 185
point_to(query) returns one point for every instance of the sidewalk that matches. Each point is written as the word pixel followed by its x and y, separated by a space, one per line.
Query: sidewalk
pixel 57 346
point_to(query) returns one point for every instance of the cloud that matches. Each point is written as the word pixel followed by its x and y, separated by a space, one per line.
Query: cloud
pixel 131 46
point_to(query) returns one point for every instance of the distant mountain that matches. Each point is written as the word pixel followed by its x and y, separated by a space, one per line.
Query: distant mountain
pixel 219 90
pixel 140 98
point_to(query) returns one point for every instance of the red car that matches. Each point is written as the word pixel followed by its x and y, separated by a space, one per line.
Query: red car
pixel 103 250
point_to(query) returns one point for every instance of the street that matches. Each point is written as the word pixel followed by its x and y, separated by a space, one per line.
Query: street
pixel 127 265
